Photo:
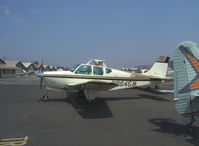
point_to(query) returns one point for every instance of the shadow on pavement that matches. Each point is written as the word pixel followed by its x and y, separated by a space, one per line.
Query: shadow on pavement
pixel 152 91
pixel 152 97
pixel 97 109
pixel 140 96
pixel 177 128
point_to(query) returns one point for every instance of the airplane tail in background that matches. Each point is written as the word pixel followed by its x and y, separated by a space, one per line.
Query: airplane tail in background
pixel 159 69
pixel 186 79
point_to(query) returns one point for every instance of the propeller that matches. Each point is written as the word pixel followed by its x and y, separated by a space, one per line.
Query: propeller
pixel 42 70
pixel 41 74
pixel 42 66
pixel 41 80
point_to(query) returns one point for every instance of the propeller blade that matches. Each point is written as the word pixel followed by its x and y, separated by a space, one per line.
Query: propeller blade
pixel 42 66
pixel 41 83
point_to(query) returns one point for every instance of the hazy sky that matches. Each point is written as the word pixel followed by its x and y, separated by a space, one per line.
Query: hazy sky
pixel 68 32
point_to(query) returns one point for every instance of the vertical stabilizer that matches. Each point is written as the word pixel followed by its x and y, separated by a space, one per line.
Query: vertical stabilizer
pixel 159 69
pixel 186 79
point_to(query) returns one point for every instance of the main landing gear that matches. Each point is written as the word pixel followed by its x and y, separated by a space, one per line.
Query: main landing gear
pixel 81 94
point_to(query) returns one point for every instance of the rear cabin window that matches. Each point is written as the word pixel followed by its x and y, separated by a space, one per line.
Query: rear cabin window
pixel 84 69
pixel 97 70
pixel 108 70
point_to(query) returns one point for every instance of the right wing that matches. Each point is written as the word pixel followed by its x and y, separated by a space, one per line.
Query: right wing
pixel 92 88
pixel 94 85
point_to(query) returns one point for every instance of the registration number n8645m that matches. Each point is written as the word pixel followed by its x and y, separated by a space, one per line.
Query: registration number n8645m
pixel 124 83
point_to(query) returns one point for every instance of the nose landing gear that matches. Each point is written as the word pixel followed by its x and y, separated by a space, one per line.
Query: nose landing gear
pixel 45 97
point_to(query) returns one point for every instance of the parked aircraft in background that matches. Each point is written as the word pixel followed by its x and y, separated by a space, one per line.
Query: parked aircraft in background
pixel 97 62
pixel 21 72
pixel 186 80
pixel 91 79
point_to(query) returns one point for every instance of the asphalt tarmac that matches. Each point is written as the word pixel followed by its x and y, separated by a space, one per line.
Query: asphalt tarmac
pixel 126 117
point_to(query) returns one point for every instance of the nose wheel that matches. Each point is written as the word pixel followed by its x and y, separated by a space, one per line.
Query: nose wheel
pixel 44 98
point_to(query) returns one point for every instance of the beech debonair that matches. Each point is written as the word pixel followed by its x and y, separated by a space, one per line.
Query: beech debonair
pixel 91 79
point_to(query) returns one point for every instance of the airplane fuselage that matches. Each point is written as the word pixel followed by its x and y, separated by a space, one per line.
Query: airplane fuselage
pixel 66 79
pixel 92 79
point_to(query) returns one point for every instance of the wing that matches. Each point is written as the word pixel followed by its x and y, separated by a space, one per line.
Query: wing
pixel 92 88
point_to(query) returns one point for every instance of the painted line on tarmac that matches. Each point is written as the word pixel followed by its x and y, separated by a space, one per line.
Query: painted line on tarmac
pixel 14 141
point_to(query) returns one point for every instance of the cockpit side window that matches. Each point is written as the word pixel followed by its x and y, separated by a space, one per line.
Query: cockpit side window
pixel 97 70
pixel 84 69
pixel 108 70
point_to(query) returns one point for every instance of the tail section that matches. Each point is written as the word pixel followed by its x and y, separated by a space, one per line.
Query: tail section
pixel 159 69
pixel 186 79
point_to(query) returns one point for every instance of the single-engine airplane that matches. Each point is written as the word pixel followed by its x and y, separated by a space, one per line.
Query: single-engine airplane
pixel 186 80
pixel 91 79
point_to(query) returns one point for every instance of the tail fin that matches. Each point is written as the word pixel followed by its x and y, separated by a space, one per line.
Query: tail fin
pixel 186 79
pixel 159 69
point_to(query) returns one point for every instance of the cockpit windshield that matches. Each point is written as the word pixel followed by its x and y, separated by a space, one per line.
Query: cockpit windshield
pixel 72 69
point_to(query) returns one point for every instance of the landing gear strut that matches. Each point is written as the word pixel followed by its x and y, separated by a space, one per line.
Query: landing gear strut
pixel 156 87
pixel 81 93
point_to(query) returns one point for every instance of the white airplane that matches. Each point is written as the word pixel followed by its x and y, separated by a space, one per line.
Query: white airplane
pixel 91 79
pixel 21 72
pixel 186 80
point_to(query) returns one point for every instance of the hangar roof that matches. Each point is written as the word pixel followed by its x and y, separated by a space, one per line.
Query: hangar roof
pixel 7 67
pixel 2 62
pixel 26 64
pixel 11 62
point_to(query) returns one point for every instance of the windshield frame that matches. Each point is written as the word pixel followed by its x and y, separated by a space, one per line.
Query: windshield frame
pixel 72 69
